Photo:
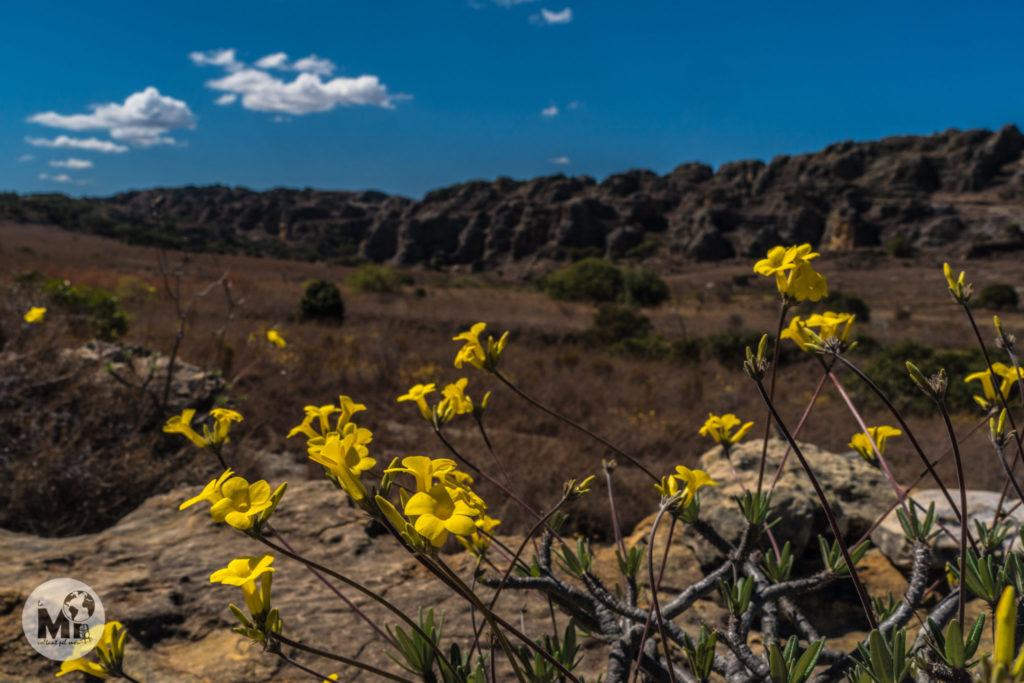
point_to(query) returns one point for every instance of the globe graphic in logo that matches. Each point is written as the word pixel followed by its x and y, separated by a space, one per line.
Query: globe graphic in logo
pixel 78 606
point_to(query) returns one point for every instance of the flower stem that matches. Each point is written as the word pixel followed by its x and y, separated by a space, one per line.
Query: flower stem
pixel 338 658
pixel 829 514
pixel 558 416
pixel 963 503
pixel 783 307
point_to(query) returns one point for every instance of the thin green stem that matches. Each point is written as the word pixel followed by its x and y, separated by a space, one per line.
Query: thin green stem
pixel 829 514
pixel 611 505
pixel 558 416
pixel 963 503
pixel 362 589
pixel 906 430
pixel 655 585
pixel 783 308
pixel 284 640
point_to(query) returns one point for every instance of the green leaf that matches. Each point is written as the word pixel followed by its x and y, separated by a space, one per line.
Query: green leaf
pixel 776 665
pixel 805 665
pixel 955 645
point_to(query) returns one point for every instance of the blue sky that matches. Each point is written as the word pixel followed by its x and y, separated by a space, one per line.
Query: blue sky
pixel 406 96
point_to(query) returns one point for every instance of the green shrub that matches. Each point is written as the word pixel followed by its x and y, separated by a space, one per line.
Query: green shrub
pixel 591 279
pixel 89 310
pixel 888 369
pixel 648 346
pixel 601 281
pixel 642 250
pixel 375 278
pixel 643 287
pixel 900 247
pixel 322 302
pixel 685 350
pixel 614 323
pixel 838 302
pixel 997 295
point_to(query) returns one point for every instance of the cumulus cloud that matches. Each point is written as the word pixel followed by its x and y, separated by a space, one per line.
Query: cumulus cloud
pixel 548 17
pixel 59 178
pixel 71 163
pixel 142 120
pixel 26 157
pixel 226 99
pixel 561 161
pixel 224 58
pixel 90 144
pixel 308 92
pixel 549 112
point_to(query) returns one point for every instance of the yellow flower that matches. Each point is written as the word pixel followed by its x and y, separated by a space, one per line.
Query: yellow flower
pixel 109 647
pixel 862 444
pixel 182 424
pixel 1009 376
pixel 473 352
pixel 241 501
pixel 244 572
pixel 346 408
pixel 958 289
pixel 794 276
pixel 477 543
pixel 424 470
pixel 35 314
pixel 694 479
pixel 222 423
pixel 418 394
pixel 829 324
pixel 1006 624
pixel 797 331
pixel 719 428
pixel 455 401
pixel 435 513
pixel 275 338
pixel 211 492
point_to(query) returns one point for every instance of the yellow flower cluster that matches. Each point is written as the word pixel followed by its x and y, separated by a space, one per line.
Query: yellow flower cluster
pixel 237 502
pixel 720 429
pixel 692 479
pixel 1009 376
pixel 244 572
pixel 442 503
pixel 474 353
pixel 830 326
pixel 862 444
pixel 275 338
pixel 455 401
pixel 794 276
pixel 341 448
pixel 211 439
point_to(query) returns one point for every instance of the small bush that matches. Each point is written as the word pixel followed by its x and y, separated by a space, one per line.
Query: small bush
pixel 89 310
pixel 997 295
pixel 322 302
pixel 614 323
pixel 591 279
pixel 601 281
pixel 643 287
pixel 374 278
pixel 900 247
pixel 888 369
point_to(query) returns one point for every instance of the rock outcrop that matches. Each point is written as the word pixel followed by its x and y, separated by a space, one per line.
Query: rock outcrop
pixel 959 188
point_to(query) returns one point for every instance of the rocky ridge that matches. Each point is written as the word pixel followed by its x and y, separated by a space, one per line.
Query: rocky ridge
pixel 959 188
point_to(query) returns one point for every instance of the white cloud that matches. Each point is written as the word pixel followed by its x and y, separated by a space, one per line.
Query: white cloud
pixel 89 144
pixel 511 3
pixel 26 157
pixel 59 178
pixel 142 120
pixel 548 17
pixel 549 112
pixel 314 65
pixel 226 99
pixel 72 163
pixel 307 93
pixel 277 60
pixel 224 58
pixel 561 161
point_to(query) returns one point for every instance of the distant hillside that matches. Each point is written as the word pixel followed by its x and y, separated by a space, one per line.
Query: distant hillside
pixel 959 188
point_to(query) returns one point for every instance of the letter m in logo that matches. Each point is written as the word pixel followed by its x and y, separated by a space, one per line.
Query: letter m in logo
pixel 48 625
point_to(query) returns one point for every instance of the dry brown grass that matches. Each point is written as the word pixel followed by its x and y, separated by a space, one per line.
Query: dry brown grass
pixel 652 409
